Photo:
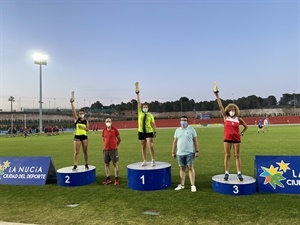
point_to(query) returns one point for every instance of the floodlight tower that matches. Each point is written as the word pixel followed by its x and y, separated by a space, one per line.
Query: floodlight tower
pixel 294 103
pixel 132 101
pixel 40 60
pixel 11 100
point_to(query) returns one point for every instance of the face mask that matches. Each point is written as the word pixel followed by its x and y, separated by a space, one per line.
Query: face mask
pixel 231 113
pixel 108 124
pixel 183 123
pixel 81 115
pixel 145 110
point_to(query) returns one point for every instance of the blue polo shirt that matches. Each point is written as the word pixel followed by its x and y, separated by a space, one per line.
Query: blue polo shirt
pixel 185 143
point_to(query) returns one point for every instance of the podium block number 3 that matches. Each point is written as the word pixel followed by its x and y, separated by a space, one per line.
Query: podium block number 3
pixel 235 189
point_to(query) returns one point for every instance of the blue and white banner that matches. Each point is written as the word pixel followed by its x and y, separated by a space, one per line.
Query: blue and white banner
pixel 278 174
pixel 26 170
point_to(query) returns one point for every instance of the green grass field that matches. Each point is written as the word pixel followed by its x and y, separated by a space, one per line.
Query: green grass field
pixel 111 204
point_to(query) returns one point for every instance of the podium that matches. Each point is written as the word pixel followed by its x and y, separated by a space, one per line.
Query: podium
pixel 79 177
pixel 233 186
pixel 149 178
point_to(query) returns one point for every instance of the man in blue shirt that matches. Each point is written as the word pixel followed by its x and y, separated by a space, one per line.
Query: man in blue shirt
pixel 186 143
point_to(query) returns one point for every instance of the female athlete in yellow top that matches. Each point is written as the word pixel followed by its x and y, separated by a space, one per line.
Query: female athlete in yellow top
pixel 146 127
pixel 80 138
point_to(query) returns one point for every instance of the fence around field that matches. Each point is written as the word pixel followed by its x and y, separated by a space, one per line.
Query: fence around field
pixel 66 121
pixel 175 122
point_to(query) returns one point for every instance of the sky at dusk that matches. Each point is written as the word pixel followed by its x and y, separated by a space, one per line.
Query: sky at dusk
pixel 177 48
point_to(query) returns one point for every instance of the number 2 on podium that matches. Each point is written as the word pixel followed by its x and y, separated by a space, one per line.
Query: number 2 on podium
pixel 67 181
pixel 143 179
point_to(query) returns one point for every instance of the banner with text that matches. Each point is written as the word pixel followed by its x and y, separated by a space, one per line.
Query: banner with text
pixel 26 170
pixel 278 174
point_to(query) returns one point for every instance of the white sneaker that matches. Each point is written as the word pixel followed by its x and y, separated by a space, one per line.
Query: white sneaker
pixel 193 188
pixel 144 163
pixel 179 187
pixel 153 162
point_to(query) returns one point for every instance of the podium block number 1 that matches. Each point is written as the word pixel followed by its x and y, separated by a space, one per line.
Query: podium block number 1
pixel 143 179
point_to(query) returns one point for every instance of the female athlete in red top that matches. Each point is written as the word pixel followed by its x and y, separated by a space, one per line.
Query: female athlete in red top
pixel 232 134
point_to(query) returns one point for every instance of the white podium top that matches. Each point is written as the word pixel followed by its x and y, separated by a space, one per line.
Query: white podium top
pixel 233 179
pixel 158 165
pixel 80 169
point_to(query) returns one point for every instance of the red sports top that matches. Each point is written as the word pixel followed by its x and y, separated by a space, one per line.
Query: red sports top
pixel 110 138
pixel 231 129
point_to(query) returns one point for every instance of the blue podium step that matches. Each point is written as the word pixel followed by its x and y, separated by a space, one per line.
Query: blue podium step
pixel 233 186
pixel 80 177
pixel 149 178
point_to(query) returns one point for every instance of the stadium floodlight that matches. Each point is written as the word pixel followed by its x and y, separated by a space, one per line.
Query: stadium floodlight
pixel 40 60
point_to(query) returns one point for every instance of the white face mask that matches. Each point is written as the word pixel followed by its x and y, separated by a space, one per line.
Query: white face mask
pixel 231 113
pixel 81 116
pixel 145 110
pixel 108 124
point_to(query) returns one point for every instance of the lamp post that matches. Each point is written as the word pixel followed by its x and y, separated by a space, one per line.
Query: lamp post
pixel 90 107
pixel 90 110
pixel 40 60
pixel 131 109
pixel 181 106
pixel 11 100
pixel 294 103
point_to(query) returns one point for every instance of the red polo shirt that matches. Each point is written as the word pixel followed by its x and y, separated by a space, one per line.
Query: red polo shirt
pixel 110 138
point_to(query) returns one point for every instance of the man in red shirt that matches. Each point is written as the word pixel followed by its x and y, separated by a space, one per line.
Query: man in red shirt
pixel 111 140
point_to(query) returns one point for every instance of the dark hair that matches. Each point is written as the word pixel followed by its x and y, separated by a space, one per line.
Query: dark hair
pixel 184 117
pixel 81 110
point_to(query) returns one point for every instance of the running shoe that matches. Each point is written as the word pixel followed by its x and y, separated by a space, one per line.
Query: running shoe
pixel 153 162
pixel 144 163
pixel 179 187
pixel 117 182
pixel 74 168
pixel 240 177
pixel 106 182
pixel 193 188
pixel 226 177
pixel 86 166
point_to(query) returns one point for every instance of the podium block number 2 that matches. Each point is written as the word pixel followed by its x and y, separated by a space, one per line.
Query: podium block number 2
pixel 143 179
pixel 67 179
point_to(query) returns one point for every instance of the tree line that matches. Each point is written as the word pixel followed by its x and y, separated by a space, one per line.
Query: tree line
pixel 185 104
